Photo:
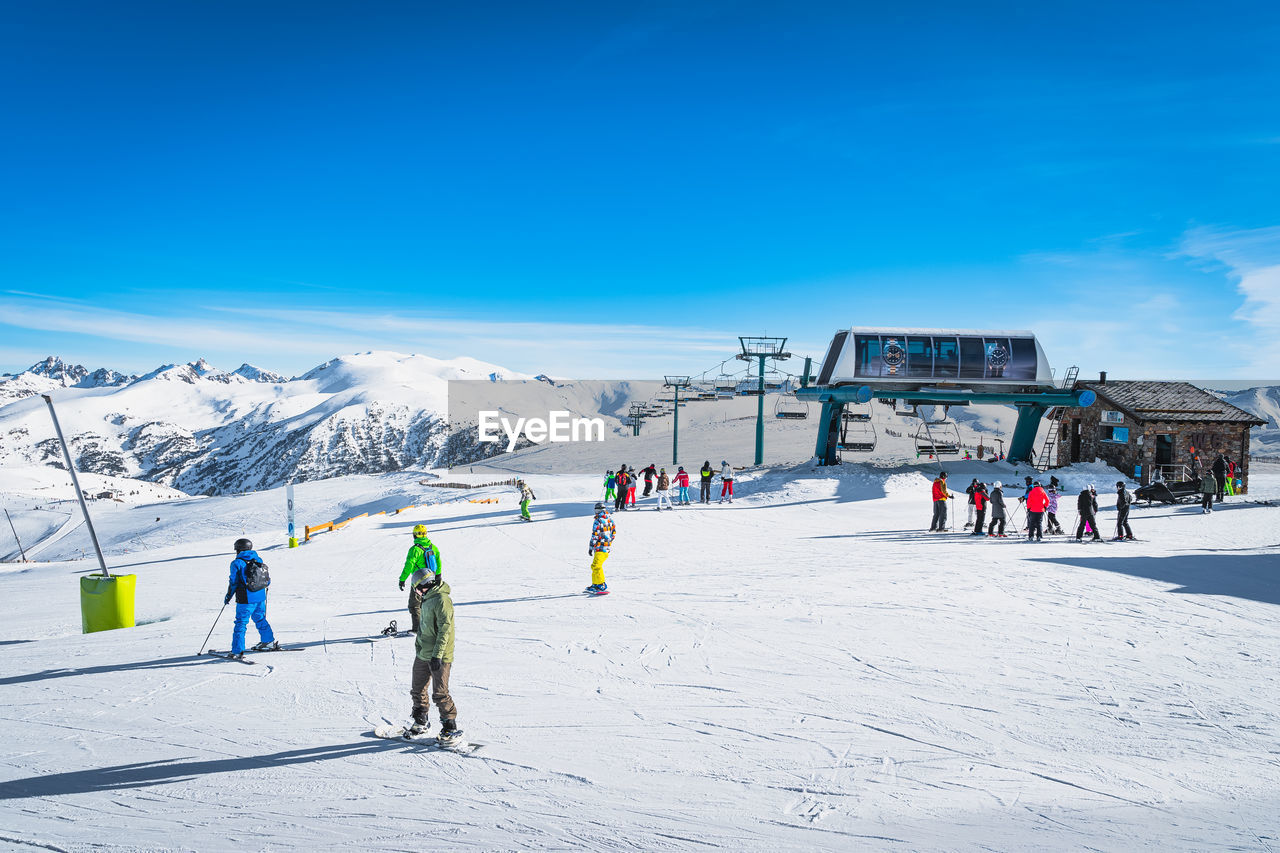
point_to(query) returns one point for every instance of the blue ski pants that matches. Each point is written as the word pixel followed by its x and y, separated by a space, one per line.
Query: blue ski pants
pixel 257 611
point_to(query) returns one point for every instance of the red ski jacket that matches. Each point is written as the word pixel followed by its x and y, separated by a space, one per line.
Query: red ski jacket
pixel 1037 500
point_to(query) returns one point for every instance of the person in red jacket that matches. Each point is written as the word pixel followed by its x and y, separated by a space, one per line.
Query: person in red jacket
pixel 682 481
pixel 980 501
pixel 1037 503
pixel 940 498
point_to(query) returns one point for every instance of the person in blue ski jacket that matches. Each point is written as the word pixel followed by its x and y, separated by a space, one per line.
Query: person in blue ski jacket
pixel 250 604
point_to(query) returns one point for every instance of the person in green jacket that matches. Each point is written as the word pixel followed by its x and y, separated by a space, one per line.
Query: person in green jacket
pixel 1208 488
pixel 433 661
pixel 422 565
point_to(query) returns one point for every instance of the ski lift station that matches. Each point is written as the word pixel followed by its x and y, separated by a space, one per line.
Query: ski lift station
pixel 933 367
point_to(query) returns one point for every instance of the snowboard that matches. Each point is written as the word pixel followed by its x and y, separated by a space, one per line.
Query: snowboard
pixel 457 743
pixel 595 592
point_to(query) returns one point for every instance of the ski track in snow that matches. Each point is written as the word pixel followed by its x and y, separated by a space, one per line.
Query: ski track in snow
pixel 802 669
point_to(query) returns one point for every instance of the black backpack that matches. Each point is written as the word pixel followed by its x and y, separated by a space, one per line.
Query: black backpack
pixel 256 576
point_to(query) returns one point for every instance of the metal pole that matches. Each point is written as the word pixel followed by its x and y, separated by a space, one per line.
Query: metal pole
pixel 21 550
pixel 75 481
pixel 675 431
pixel 760 418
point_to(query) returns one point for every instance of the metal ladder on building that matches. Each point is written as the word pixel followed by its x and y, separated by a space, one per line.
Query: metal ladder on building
pixel 1046 459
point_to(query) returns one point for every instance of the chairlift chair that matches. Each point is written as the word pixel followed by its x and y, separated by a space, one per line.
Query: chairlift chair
pixel 937 438
pixel 792 410
pixel 857 433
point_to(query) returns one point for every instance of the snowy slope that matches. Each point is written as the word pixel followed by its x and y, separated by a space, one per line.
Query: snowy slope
pixel 800 670
pixel 1263 401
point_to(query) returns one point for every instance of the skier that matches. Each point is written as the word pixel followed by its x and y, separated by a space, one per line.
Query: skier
pixel 1053 527
pixel 1123 531
pixel 623 478
pixel 1208 488
pixel 726 475
pixel 434 659
pixel 602 533
pixel 1037 503
pixel 648 474
pixel 248 585
pixel 664 490
pixel 526 495
pixel 980 501
pixel 1088 521
pixel 1026 492
pixel 940 498
pixel 632 484
pixel 1230 489
pixel 997 511
pixel 1219 476
pixel 610 486
pixel 706 474
pixel 422 565
pixel 682 481
pixel 972 504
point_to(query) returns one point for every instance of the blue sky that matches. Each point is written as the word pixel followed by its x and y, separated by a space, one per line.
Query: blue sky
pixel 606 190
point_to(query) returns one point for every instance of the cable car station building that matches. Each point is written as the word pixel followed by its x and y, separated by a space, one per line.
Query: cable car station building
pixel 937 367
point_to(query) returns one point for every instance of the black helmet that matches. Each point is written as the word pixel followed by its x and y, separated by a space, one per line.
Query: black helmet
pixel 1119 484
pixel 243 545
pixel 599 507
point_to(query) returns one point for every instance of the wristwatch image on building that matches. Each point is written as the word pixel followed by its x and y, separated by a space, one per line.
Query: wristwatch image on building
pixel 894 356
pixel 997 359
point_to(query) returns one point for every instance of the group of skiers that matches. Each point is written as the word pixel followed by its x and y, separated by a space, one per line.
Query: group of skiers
pixel 1041 504
pixel 1217 480
pixel 620 486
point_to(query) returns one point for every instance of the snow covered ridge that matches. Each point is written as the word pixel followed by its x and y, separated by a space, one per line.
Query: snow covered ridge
pixel 208 431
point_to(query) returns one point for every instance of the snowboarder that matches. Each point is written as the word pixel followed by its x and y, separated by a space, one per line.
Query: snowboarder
pixel 623 479
pixel 682 481
pixel 1230 489
pixel 648 474
pixel 248 585
pixel 602 533
pixel 1123 531
pixel 972 504
pixel 664 490
pixel 997 511
pixel 980 501
pixel 434 660
pixel 940 498
pixel 1208 488
pixel 1088 521
pixel 526 495
pixel 707 473
pixel 610 486
pixel 1037 503
pixel 422 565
pixel 1219 476
pixel 726 475
pixel 1053 526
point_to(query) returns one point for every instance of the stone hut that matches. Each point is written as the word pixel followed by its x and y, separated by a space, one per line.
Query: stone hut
pixel 1145 429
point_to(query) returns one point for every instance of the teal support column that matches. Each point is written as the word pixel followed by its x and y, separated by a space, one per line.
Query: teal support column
pixel 824 430
pixel 675 431
pixel 1023 443
pixel 760 418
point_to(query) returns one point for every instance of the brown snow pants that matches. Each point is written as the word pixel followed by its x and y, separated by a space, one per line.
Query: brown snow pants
pixel 423 678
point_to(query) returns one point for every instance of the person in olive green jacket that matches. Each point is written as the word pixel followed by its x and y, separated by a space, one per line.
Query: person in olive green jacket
pixel 421 565
pixel 433 661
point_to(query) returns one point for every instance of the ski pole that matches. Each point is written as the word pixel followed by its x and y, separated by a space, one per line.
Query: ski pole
pixel 211 627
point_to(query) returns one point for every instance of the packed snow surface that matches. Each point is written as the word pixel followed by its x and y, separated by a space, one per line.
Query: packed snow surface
pixel 802 669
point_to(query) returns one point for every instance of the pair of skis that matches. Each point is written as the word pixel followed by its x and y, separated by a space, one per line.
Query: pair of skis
pixel 226 655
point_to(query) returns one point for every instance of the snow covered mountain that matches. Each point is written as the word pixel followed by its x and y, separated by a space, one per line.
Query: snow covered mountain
pixel 207 431
pixel 1263 401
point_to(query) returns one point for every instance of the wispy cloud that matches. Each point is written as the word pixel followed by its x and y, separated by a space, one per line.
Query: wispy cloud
pixel 1251 258
pixel 304 337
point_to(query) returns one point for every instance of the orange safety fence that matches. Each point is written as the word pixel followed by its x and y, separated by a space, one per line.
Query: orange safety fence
pixel 483 501
pixel 319 528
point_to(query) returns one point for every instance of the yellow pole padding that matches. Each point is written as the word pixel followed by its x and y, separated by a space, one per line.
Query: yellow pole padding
pixel 106 603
